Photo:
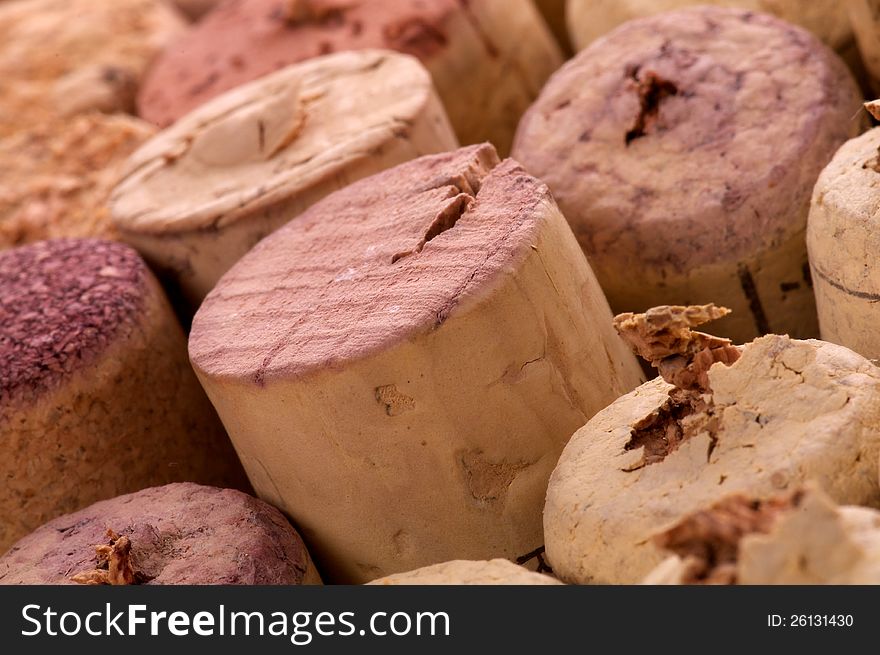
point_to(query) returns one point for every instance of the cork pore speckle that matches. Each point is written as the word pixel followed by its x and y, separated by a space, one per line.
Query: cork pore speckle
pixel 61 303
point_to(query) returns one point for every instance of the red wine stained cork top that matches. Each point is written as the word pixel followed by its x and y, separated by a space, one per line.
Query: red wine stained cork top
pixel 689 134
pixel 244 39
pixel 62 302
pixel 369 266
pixel 180 534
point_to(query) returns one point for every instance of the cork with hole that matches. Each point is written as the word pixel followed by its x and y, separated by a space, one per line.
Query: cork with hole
pixel 175 534
pixel 489 58
pixel 804 538
pixel 683 149
pixel 783 413
pixel 63 57
pixel 97 397
pixel 198 196
pixel 843 237
pixel 827 19
pixel 400 367
pixel 468 572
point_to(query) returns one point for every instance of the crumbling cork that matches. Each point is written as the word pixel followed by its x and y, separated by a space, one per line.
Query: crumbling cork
pixel 61 57
pixel 463 572
pixel 843 239
pixel 97 397
pixel 784 413
pixel 171 535
pixel 57 177
pixel 800 538
pixel 686 145
pixel 488 58
pixel 203 192
pixel 400 367
pixel 827 19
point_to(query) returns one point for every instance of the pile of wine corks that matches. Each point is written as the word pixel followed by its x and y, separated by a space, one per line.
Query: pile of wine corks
pixel 386 291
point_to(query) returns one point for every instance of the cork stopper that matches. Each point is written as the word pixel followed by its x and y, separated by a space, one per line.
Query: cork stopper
pixel 62 302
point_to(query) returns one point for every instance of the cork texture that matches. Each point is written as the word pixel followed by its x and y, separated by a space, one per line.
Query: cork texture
pixel 200 194
pixel 659 144
pixel 785 413
pixel 843 238
pixel 97 397
pixel 463 572
pixel 502 47
pixel 827 19
pixel 99 52
pixel 427 339
pixel 57 176
pixel 179 533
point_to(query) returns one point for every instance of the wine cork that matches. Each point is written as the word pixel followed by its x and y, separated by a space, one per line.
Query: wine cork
pixel 843 240
pixel 464 572
pixel 800 538
pixel 203 192
pixel 827 19
pixel 96 395
pixel 62 57
pixel 57 176
pixel 400 367
pixel 172 535
pixel 784 412
pixel 683 149
pixel 489 58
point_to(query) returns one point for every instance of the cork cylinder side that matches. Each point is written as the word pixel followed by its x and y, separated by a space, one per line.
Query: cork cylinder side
pixel 407 405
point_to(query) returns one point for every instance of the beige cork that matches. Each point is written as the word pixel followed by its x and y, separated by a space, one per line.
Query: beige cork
pixel 784 413
pixel 400 367
pixel 465 572
pixel 827 19
pixel 61 57
pixel 57 176
pixel 805 539
pixel 200 194
pixel 97 397
pixel 489 58
pixel 843 238
pixel 683 148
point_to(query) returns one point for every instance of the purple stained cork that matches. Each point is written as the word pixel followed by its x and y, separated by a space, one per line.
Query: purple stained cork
pixel 179 534
pixel 62 302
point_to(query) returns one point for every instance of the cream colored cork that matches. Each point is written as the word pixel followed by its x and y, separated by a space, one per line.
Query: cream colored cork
pixel 97 397
pixel 400 367
pixel 843 237
pixel 57 176
pixel 784 413
pixel 464 572
pixel 827 19
pixel 62 57
pixel 806 539
pixel 198 196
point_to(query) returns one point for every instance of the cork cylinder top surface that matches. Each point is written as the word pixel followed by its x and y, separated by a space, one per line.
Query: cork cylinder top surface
pixel 690 137
pixel 179 534
pixel 59 57
pixel 62 303
pixel 827 19
pixel 787 412
pixel 57 176
pixel 404 248
pixel 271 140
pixel 801 537
pixel 465 572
